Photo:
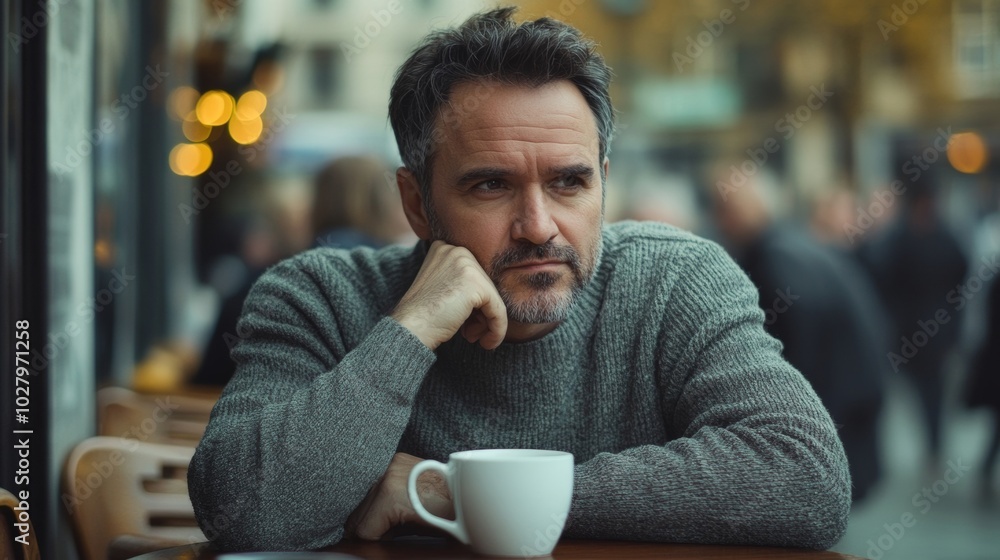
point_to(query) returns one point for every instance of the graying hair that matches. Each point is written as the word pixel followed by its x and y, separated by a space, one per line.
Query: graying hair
pixel 491 48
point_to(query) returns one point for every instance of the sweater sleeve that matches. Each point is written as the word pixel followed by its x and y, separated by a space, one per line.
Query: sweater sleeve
pixel 755 458
pixel 311 419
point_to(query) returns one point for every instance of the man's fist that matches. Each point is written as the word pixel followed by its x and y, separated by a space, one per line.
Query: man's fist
pixel 388 503
pixel 452 292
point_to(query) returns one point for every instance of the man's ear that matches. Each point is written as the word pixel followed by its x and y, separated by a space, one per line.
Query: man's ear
pixel 413 202
pixel 606 165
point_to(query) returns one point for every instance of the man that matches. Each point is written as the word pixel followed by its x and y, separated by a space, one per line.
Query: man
pixel 920 270
pixel 822 307
pixel 519 322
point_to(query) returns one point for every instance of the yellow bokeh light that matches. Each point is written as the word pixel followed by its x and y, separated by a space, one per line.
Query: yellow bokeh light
pixel 967 152
pixel 193 129
pixel 104 252
pixel 190 160
pixel 214 108
pixel 251 105
pixel 182 101
pixel 246 131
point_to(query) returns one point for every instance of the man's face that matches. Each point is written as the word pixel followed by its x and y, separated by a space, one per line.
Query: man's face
pixel 516 181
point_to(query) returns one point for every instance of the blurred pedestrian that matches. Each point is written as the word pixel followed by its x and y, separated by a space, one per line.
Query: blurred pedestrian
pixel 983 389
pixel 355 204
pixel 821 306
pixel 266 237
pixel 917 263
pixel 352 207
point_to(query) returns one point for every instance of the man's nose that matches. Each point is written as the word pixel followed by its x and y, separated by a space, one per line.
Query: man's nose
pixel 533 221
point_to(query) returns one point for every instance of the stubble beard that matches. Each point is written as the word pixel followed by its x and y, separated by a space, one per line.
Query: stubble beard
pixel 545 303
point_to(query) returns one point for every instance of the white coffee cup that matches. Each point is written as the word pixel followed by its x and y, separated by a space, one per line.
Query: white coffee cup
pixel 508 502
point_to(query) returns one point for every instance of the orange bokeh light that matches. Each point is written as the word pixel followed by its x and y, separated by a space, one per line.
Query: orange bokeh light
pixel 967 152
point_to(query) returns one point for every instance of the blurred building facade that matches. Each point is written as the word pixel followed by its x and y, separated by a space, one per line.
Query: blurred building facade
pixel 821 93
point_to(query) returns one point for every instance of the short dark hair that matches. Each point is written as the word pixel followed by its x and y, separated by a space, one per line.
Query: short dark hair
pixel 492 47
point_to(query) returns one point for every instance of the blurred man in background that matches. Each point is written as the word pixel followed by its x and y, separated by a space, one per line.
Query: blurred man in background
pixel 820 305
pixel 918 267
pixel 264 237
pixel 983 389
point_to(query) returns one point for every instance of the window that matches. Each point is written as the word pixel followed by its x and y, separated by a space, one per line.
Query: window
pixel 976 35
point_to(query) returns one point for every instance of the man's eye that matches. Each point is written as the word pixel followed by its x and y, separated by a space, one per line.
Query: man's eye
pixel 568 182
pixel 488 186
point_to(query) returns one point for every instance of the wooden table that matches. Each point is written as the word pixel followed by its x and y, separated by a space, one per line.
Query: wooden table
pixel 445 549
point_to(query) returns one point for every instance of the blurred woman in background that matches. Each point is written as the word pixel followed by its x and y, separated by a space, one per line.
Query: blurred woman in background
pixel 356 203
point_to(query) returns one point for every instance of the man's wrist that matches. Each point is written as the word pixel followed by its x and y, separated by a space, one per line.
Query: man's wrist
pixel 415 326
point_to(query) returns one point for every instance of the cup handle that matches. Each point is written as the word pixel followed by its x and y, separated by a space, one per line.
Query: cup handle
pixel 454 527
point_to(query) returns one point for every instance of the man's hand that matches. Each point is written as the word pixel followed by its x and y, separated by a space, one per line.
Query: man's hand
pixel 452 292
pixel 388 503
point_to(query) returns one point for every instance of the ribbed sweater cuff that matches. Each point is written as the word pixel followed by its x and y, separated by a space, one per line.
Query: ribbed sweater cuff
pixel 393 359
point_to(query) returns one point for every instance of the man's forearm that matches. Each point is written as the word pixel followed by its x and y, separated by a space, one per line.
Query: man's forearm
pixel 293 461
pixel 765 484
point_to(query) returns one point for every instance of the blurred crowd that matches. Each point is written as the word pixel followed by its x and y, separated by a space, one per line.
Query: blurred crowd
pixel 854 305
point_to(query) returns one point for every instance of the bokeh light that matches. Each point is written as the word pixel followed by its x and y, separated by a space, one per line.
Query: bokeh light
pixel 251 105
pixel 246 131
pixel 967 152
pixel 182 101
pixel 214 108
pixel 104 252
pixel 193 129
pixel 190 160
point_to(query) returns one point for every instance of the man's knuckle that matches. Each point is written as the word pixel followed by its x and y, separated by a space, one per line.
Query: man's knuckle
pixel 468 271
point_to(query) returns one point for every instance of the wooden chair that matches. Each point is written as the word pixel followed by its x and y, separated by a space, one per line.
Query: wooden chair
pixel 171 419
pixel 115 487
pixel 10 548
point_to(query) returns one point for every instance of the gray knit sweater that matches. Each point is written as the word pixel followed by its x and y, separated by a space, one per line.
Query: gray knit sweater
pixel 685 422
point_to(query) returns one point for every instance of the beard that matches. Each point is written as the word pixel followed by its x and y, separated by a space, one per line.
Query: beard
pixel 539 299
